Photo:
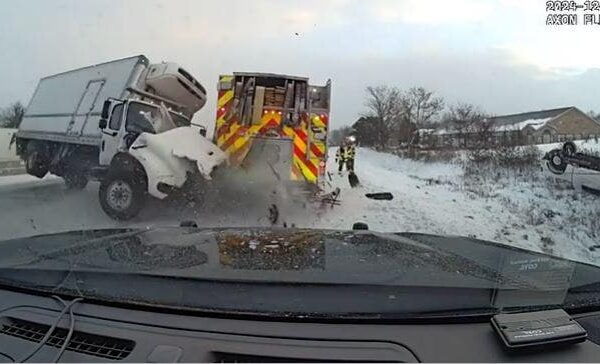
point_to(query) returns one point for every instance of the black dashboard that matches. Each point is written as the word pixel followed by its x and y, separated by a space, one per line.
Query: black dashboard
pixel 120 334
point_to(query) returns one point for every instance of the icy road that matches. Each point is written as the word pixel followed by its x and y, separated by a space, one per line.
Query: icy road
pixel 428 198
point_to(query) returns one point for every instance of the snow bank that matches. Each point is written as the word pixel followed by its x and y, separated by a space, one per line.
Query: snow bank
pixel 7 151
pixel 21 179
pixel 434 198
pixel 423 200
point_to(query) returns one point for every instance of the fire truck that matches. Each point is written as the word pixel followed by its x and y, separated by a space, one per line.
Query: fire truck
pixel 277 122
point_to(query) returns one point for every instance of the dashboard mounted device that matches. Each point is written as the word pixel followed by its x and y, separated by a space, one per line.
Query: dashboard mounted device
pixel 540 328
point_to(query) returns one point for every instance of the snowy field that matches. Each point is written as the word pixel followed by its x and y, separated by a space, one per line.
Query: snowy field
pixel 531 212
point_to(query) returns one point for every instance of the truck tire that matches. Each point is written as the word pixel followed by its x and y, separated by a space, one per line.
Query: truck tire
pixel 36 162
pixel 75 181
pixel 122 194
pixel 569 148
pixel 556 162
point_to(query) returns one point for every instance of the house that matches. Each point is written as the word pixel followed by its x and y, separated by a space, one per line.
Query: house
pixel 546 126
pixel 535 127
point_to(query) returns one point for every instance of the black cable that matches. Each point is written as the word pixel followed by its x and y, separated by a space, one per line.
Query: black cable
pixel 71 330
pixel 7 356
pixel 51 330
pixel 47 336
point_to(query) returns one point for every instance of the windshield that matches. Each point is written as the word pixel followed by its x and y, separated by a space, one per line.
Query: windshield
pixel 178 119
pixel 144 118
pixel 445 153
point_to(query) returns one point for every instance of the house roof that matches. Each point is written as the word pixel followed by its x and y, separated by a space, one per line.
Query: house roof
pixel 511 122
pixel 514 119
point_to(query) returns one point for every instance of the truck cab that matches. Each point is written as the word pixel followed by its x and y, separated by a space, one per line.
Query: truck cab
pixel 148 148
pixel 124 120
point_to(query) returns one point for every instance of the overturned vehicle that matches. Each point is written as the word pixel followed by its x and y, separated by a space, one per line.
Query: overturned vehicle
pixel 126 123
pixel 580 169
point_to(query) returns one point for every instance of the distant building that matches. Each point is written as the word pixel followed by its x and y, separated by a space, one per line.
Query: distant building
pixel 546 126
pixel 535 127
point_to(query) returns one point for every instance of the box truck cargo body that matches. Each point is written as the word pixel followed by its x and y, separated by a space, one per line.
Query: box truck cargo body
pixel 66 107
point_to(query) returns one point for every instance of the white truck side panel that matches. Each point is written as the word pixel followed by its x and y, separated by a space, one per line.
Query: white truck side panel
pixel 69 104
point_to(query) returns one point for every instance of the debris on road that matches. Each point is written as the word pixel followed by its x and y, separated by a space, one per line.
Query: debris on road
pixel 380 196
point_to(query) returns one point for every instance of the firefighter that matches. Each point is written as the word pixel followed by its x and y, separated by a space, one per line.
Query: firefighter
pixel 340 157
pixel 350 153
pixel 345 155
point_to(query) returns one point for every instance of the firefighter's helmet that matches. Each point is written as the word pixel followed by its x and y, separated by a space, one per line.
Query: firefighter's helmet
pixel 351 140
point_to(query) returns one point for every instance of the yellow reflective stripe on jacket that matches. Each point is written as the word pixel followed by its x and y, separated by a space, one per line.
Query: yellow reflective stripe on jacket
pixel 350 153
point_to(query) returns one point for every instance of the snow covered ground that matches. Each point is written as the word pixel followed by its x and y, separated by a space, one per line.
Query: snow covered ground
pixel 527 211
pixel 530 212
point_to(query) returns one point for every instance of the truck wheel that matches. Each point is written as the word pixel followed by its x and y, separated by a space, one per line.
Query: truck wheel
pixel 75 181
pixel 122 195
pixel 569 148
pixel 556 162
pixel 35 163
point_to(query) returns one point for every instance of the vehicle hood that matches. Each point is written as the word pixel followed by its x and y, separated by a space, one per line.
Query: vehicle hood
pixel 297 272
pixel 182 143
pixel 288 255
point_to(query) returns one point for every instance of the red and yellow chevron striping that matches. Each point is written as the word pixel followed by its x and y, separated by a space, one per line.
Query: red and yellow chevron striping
pixel 236 139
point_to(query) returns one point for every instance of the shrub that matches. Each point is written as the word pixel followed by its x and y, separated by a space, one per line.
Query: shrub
pixel 502 161
pixel 428 155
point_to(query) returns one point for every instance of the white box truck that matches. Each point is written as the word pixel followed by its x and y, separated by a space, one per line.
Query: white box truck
pixel 124 122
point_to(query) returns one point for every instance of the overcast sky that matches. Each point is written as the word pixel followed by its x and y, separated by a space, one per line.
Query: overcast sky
pixel 499 55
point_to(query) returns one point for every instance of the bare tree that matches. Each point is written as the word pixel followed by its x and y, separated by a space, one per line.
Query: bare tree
pixel 421 106
pixel 484 133
pixel 464 119
pixel 12 116
pixel 418 107
pixel 364 131
pixel 382 109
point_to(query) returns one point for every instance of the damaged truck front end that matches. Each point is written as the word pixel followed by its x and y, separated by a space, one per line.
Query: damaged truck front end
pixel 149 152
pixel 173 157
pixel 179 160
